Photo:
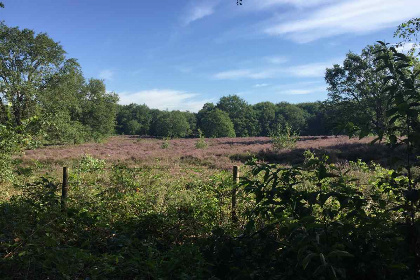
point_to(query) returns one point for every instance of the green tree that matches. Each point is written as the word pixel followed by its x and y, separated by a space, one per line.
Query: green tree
pixel 241 114
pixel 60 105
pixel 192 121
pixel 171 124
pixel 216 123
pixel 141 114
pixel 290 114
pixel 266 116
pixel 356 91
pixel 27 63
pixel 317 122
pixel 99 109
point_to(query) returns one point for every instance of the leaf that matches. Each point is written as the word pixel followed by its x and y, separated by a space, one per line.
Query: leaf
pixel 338 253
pixel 308 259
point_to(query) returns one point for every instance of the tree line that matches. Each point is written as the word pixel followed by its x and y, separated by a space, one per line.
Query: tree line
pixel 231 116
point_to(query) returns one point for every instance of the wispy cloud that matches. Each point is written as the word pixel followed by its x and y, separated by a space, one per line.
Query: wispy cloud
pixel 261 85
pixel 302 89
pixel 346 17
pixel 107 75
pixel 199 10
pixel 165 99
pixel 310 70
pixel 276 59
pixel 266 4
pixel 245 74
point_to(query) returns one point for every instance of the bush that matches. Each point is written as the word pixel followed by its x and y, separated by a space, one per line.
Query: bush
pixel 165 144
pixel 284 138
pixel 201 143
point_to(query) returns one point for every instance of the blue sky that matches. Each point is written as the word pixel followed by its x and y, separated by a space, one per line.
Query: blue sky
pixel 179 54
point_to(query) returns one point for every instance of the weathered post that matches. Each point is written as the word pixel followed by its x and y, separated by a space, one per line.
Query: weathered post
pixel 64 189
pixel 234 190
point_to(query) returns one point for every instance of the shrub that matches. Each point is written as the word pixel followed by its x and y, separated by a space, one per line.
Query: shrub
pixel 201 143
pixel 284 138
pixel 165 144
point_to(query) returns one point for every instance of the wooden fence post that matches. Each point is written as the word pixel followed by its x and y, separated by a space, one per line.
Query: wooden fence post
pixel 234 190
pixel 64 189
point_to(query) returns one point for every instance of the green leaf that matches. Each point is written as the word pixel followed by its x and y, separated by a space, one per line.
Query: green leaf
pixel 308 259
pixel 338 253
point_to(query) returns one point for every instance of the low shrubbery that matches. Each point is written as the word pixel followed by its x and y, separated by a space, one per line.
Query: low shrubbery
pixel 309 222
pixel 284 138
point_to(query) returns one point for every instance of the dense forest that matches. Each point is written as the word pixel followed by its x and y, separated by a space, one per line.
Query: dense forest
pixel 317 219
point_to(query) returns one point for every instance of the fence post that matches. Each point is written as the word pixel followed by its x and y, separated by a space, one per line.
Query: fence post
pixel 64 189
pixel 234 190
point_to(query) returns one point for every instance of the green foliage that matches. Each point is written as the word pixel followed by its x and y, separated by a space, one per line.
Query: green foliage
pixel 129 227
pixel 134 119
pixel 290 114
pixel 91 164
pixel 99 109
pixel 165 144
pixel 408 32
pixel 356 93
pixel 36 80
pixel 284 138
pixel 216 123
pixel 171 124
pixel 201 143
pixel 266 116
pixel 318 119
pixel 27 62
pixel 320 219
pixel 13 139
pixel 241 114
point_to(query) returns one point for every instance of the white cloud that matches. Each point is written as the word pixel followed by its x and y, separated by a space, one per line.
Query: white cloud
pixel 299 90
pixel 408 47
pixel 244 74
pixel 276 59
pixel 346 17
pixel 165 99
pixel 311 70
pixel 266 4
pixel 199 10
pixel 261 85
pixel 106 75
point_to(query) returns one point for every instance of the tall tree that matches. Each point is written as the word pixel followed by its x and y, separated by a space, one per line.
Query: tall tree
pixel 266 116
pixel 27 63
pixel 290 114
pixel 216 123
pixel 356 90
pixel 99 108
pixel 241 113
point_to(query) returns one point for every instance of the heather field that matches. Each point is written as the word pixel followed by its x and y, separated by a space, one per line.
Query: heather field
pixel 220 153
